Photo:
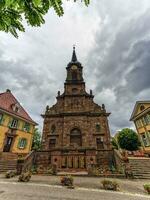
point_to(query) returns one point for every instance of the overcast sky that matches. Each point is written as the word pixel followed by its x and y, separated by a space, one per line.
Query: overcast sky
pixel 112 40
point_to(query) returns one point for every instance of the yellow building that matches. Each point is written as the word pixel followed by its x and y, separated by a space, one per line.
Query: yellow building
pixel 141 118
pixel 16 126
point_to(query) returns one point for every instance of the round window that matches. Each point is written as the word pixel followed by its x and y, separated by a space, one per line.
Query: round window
pixel 142 107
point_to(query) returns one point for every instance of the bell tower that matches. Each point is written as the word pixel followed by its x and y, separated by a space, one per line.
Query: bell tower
pixel 74 84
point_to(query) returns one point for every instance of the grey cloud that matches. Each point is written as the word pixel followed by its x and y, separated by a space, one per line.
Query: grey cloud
pixel 33 67
pixel 120 60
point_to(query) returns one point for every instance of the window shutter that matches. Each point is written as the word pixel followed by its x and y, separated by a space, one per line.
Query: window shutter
pixel 1 119
pixel 19 142
pixel 23 126
pixel 25 143
pixel 29 128
pixel 18 124
pixel 9 123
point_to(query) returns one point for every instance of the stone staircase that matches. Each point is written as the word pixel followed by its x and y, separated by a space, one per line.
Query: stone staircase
pixel 8 161
pixel 140 167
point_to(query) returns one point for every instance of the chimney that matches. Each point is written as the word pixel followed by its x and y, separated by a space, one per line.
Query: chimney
pixel 8 90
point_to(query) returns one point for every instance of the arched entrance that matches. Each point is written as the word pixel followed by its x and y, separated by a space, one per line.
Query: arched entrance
pixel 75 137
pixel 75 159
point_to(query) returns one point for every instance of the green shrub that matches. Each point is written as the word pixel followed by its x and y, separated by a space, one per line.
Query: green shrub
pixel 110 185
pixel 25 177
pixel 147 187
pixel 67 180
pixel 34 169
pixel 10 174
pixel 49 171
pixel 52 170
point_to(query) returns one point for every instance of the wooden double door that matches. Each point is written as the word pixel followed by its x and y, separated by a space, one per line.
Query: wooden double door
pixel 76 162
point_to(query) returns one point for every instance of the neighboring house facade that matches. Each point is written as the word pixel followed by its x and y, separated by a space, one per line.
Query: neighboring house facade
pixel 141 118
pixel 16 126
pixel 75 130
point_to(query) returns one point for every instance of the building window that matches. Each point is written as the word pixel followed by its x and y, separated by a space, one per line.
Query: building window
pixel 75 137
pixel 145 140
pixel 26 127
pixel 148 118
pixel 99 143
pixel 15 107
pixel 139 123
pixel 98 127
pixel 1 117
pixel 22 143
pixel 53 129
pixel 144 120
pixel 52 143
pixel 14 123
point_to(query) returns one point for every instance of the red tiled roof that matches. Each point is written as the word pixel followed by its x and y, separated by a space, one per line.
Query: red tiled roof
pixel 7 100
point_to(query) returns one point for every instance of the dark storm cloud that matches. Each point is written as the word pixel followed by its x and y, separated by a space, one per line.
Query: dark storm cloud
pixel 113 45
pixel 31 87
pixel 121 62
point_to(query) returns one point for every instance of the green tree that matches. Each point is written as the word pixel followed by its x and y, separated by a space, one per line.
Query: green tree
pixel 13 11
pixel 114 143
pixel 128 139
pixel 36 143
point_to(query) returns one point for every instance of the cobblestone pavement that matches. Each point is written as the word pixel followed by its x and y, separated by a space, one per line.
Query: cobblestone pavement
pixel 48 187
pixel 32 191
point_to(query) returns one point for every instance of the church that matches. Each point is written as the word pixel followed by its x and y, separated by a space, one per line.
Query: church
pixel 75 130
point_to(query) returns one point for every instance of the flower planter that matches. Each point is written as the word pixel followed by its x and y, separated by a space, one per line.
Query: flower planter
pixel 110 185
pixel 67 181
pixel 147 188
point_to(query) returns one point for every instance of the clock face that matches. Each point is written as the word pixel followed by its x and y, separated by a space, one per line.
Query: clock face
pixel 74 67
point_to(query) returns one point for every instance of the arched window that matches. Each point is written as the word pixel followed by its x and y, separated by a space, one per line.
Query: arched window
pixel 53 129
pixel 75 137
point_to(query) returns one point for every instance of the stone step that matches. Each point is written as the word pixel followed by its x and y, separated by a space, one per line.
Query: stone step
pixel 140 167
pixel 6 165
pixel 8 156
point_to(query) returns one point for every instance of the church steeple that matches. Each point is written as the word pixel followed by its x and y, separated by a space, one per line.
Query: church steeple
pixel 74 70
pixel 74 57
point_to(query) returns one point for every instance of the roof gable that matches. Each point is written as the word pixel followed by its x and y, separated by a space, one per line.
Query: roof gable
pixel 11 105
pixel 139 107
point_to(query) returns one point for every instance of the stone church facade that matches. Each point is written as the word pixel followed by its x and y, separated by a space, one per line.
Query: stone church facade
pixel 75 130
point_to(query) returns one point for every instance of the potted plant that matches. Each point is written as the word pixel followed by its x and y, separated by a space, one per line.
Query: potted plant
pixel 147 187
pixel 25 177
pixel 67 180
pixel 110 185
pixel 10 174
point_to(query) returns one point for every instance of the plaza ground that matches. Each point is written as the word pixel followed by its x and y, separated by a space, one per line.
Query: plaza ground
pixel 89 188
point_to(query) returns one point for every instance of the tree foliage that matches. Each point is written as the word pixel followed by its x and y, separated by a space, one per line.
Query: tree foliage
pixel 114 143
pixel 36 143
pixel 12 12
pixel 128 139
